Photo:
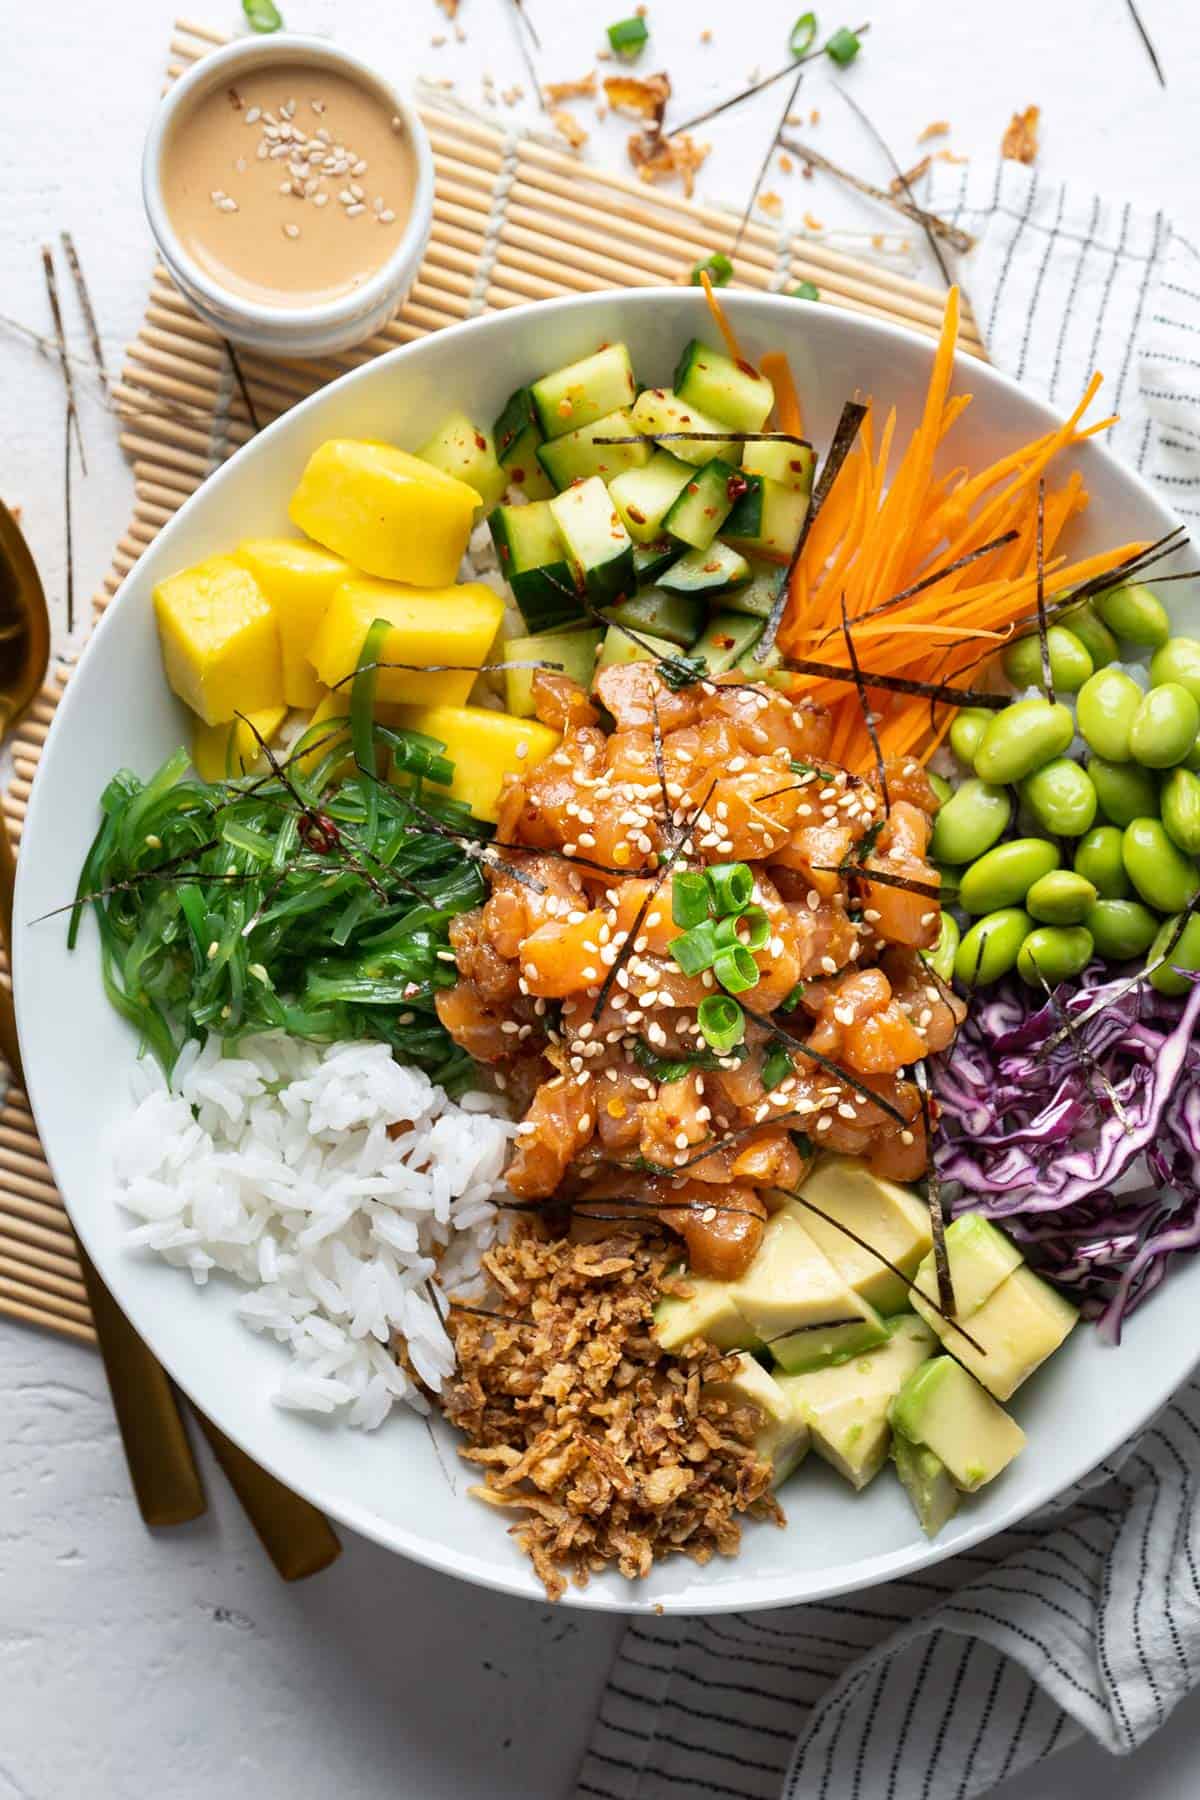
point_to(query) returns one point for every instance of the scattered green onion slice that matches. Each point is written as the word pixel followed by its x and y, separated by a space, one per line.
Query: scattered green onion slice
pixel 843 46
pixel 776 1067
pixel 803 33
pixel 689 898
pixel 722 1022
pixel 262 15
pixel 731 885
pixel 805 290
pixel 718 267
pixel 696 949
pixel 735 969
pixel 794 998
pixel 751 928
pixel 628 37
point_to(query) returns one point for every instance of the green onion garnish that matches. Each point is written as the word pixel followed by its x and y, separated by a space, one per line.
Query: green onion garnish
pixel 262 15
pixel 696 949
pixel 843 46
pixel 731 885
pixel 805 290
pixel 794 998
pixel 628 37
pixel 776 1067
pixel 751 928
pixel 735 969
pixel 718 268
pixel 722 1022
pixel 689 898
pixel 803 33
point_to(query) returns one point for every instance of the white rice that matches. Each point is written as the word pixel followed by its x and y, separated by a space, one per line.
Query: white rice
pixel 275 1166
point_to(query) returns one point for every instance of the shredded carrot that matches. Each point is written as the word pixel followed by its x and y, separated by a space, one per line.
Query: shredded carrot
pixel 778 371
pixel 722 323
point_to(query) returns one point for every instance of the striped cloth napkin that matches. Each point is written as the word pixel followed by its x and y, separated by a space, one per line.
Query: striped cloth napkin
pixel 1086 1618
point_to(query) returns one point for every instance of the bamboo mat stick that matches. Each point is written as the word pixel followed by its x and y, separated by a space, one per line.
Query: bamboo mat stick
pixel 74 1311
pixel 27 1267
pixel 37 1315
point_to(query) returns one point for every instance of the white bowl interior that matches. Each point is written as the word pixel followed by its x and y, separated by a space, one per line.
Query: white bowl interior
pixel 78 1054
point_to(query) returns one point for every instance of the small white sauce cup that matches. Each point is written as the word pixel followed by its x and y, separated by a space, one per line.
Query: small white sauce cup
pixel 289 331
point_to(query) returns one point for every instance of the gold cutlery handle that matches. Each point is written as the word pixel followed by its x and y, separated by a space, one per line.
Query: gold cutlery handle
pixel 298 1538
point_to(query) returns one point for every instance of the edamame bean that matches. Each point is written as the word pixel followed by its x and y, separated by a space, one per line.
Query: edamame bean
pixel 1180 809
pixel 1098 860
pixel 1061 898
pixel 941 957
pixel 1192 759
pixel 1121 928
pixel 1183 954
pixel 1021 738
pixel 991 947
pixel 1125 791
pixel 1135 614
pixel 1093 634
pixel 1106 709
pixel 1053 953
pixel 1005 875
pixel 949 878
pixel 1070 664
pixel 1164 727
pixel 1165 878
pixel 966 733
pixel 970 822
pixel 1061 798
pixel 1178 660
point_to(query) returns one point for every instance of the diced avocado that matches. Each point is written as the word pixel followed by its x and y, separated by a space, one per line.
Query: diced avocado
pixel 727 637
pixel 888 1217
pixel 575 650
pixel 579 454
pixel 652 560
pixel 1018 1326
pixel 517 435
pixel 709 572
pixel 784 1438
pixel 791 1285
pixel 644 496
pixel 980 1258
pixel 679 617
pixel 464 450
pixel 926 1480
pixel 598 545
pixel 944 1408
pixel 619 647
pixel 731 392
pixel 759 595
pixel 533 560
pixel 703 505
pixel 707 1312
pixel 583 391
pixel 846 1405
pixel 660 413
pixel 824 1346
pixel 768 518
pixel 789 464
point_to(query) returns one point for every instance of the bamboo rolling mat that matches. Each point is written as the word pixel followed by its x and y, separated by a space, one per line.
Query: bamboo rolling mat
pixel 515 220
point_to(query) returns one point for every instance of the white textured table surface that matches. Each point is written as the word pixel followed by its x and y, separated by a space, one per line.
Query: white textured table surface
pixel 132 1665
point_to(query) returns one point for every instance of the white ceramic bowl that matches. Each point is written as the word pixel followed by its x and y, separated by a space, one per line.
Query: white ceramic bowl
pixel 289 331
pixel 78 1054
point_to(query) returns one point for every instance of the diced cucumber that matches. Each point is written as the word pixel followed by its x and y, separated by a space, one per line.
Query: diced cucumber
pixel 461 449
pixel 708 572
pixel 650 560
pixel 758 596
pixel 733 393
pixel 583 391
pixel 517 435
pixel 679 617
pixel 577 456
pixel 768 517
pixel 727 637
pixel 533 560
pixel 644 496
pixel 599 548
pixel 619 647
pixel 575 650
pixel 791 464
pixel 704 505
pixel 657 411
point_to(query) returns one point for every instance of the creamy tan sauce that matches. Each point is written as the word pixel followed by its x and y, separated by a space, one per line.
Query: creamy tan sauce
pixel 291 187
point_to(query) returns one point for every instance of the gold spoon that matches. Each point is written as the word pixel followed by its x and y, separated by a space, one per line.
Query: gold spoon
pixel 162 1468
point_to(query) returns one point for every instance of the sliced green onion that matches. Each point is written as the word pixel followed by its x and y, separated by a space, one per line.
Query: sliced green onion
pixel 805 290
pixel 718 268
pixel 735 969
pixel 794 998
pixel 803 33
pixel 628 37
pixel 843 46
pixel 722 1022
pixel 696 949
pixel 731 885
pixel 262 15
pixel 777 1067
pixel 751 928
pixel 689 898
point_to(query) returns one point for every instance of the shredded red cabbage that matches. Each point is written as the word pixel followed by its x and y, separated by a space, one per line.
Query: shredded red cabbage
pixel 1084 1142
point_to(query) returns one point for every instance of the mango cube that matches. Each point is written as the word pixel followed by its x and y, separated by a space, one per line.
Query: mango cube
pixel 221 752
pixel 219 639
pixel 484 747
pixel 430 625
pixel 387 512
pixel 298 580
